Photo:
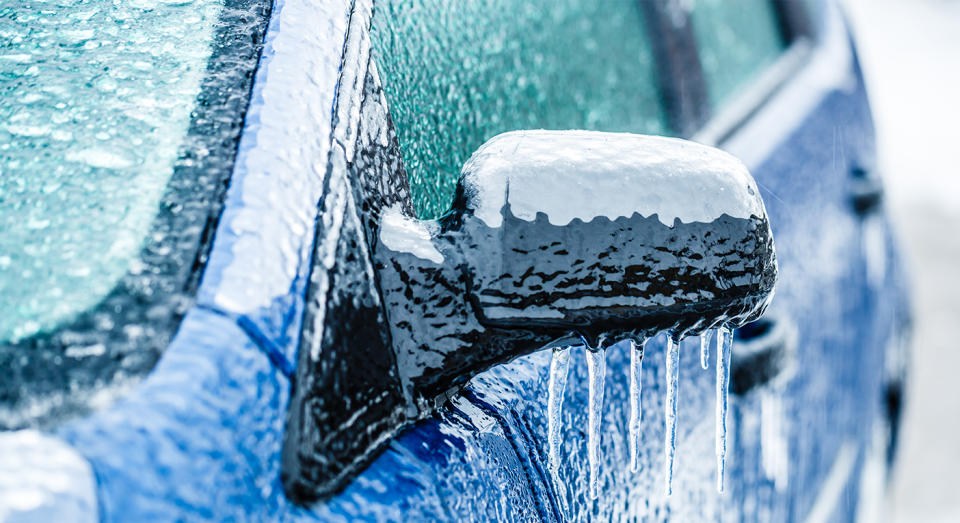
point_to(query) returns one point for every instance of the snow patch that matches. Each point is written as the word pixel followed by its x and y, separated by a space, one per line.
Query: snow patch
pixel 571 175
pixel 44 479
pixel 404 234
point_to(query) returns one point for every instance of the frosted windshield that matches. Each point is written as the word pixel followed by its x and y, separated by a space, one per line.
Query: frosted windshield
pixel 96 99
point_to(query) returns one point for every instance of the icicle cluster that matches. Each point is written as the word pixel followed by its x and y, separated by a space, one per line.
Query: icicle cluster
pixel 596 369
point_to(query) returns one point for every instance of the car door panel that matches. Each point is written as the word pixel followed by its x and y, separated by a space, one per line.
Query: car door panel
pixel 836 377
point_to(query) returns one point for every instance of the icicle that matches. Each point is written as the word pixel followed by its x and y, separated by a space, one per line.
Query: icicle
pixel 705 348
pixel 596 369
pixel 636 412
pixel 673 381
pixel 559 365
pixel 724 342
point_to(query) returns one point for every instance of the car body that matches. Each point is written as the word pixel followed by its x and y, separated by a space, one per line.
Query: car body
pixel 815 404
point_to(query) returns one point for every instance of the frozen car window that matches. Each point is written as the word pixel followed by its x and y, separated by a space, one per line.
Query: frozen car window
pixel 736 41
pixel 457 73
pixel 96 101
pixel 118 127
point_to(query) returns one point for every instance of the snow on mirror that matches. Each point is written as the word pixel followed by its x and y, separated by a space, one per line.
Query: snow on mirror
pixel 557 239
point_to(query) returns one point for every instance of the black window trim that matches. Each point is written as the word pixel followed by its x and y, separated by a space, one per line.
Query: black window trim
pixel 679 75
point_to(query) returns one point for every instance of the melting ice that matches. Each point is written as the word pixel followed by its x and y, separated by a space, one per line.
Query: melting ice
pixel 596 371
pixel 670 437
pixel 636 412
pixel 723 381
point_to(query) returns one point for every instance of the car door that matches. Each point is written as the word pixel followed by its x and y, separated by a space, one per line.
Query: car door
pixel 423 86
pixel 811 443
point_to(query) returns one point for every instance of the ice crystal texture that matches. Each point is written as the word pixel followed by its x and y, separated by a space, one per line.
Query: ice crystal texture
pixel 566 64
pixel 95 102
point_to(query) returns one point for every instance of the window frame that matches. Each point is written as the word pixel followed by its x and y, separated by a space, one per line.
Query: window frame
pixel 717 126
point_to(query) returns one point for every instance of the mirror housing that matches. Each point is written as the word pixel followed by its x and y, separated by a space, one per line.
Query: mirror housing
pixel 554 238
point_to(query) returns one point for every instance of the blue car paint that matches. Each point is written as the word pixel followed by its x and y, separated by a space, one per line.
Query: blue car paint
pixel 200 438
pixel 260 260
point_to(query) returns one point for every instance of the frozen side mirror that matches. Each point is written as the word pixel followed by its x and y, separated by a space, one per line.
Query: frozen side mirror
pixel 554 237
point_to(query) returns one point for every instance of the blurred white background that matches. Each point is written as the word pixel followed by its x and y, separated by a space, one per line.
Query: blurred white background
pixel 910 51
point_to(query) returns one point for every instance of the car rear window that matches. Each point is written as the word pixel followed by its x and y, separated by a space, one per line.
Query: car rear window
pixel 458 73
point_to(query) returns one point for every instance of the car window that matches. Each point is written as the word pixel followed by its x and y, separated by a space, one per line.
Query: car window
pixel 96 102
pixel 735 41
pixel 118 128
pixel 457 73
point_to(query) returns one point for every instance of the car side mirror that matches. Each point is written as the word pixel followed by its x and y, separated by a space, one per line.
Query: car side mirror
pixel 554 237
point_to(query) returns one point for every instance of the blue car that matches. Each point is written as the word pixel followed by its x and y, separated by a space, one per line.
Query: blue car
pixel 400 260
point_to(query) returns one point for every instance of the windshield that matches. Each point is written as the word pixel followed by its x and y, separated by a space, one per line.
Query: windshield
pixel 96 101
pixel 118 128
